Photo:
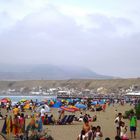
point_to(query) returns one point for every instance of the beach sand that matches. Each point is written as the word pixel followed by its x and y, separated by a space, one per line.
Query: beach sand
pixel 104 119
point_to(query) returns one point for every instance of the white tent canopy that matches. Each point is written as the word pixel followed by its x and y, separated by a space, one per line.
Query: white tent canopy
pixel 133 94
pixel 47 108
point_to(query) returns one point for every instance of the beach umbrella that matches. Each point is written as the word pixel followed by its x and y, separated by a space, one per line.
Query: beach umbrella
pixel 5 100
pixel 101 102
pixel 46 107
pixel 81 106
pixel 65 108
pixel 73 107
pixel 69 100
pixel 23 100
pixel 8 99
pixel 77 99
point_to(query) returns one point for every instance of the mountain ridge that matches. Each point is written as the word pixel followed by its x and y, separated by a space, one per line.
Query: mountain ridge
pixel 47 72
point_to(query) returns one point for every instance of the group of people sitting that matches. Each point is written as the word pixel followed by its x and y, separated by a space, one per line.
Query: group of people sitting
pixel 49 119
pixel 90 119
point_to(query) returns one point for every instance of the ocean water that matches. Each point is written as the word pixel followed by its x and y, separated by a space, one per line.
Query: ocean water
pixel 34 98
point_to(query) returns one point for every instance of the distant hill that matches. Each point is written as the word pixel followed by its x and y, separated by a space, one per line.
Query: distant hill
pixel 46 72
pixel 113 85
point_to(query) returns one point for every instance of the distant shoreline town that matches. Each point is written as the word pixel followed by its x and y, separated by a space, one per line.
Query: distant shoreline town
pixel 71 88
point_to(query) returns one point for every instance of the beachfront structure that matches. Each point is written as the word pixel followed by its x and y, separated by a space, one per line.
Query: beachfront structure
pixel 133 94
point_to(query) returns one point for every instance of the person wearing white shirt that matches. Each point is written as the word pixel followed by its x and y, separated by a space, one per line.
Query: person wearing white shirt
pixel 42 111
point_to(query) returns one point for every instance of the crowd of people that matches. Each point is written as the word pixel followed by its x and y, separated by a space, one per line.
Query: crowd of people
pixel 15 123
pixel 90 132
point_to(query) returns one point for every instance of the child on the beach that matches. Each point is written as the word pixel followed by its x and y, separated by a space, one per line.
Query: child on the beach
pixel 123 130
pixel 99 134
pixel 92 133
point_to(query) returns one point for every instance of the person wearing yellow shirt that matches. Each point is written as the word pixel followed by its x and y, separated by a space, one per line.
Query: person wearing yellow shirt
pixel 15 110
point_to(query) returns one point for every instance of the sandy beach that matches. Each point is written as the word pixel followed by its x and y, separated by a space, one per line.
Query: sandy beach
pixel 104 119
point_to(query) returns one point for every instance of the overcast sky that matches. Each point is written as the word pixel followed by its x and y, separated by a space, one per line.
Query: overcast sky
pixel 102 35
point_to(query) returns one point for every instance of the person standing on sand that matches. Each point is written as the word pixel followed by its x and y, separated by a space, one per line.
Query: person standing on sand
pixel 86 127
pixel 39 123
pixel 15 125
pixel 16 110
pixel 82 136
pixel 133 125
pixel 104 107
pixel 117 123
pixel 42 112
pixel 7 106
pixel 22 125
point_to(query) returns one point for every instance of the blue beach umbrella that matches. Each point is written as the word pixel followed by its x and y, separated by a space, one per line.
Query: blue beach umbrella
pixel 101 102
pixel 70 100
pixel 94 103
pixel 77 99
pixel 80 106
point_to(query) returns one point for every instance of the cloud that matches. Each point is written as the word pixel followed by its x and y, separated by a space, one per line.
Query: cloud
pixel 105 44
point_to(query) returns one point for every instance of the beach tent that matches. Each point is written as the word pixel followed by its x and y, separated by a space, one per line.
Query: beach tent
pixel 96 102
pixel 46 107
pixel 58 104
pixel 81 106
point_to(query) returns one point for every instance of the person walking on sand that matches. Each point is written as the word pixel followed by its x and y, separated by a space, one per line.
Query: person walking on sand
pixel 133 125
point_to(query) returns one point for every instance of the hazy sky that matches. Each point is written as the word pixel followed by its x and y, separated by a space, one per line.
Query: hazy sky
pixel 103 35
